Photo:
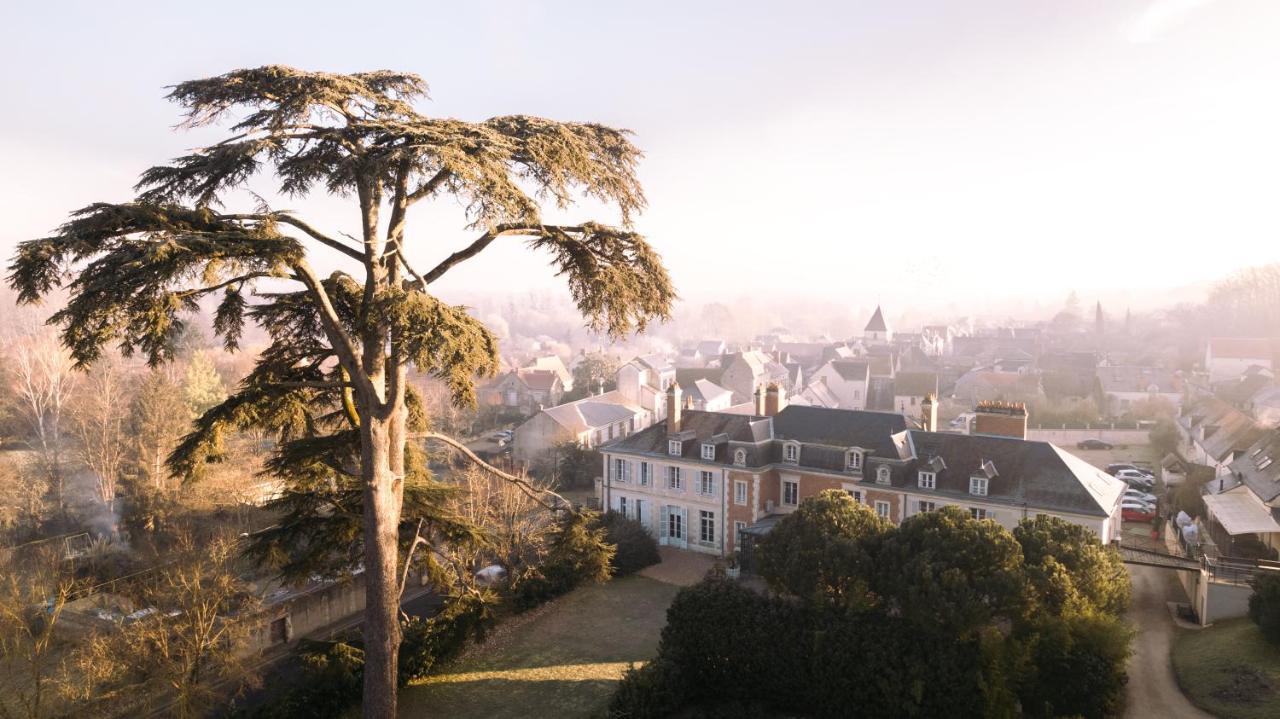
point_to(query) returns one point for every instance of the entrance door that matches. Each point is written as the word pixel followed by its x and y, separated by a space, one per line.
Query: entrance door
pixel 676 521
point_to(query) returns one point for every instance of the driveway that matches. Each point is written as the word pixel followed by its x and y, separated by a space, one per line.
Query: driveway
pixel 1153 690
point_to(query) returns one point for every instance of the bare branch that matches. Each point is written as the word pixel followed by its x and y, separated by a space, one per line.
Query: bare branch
pixel 484 240
pixel 556 502
pixel 305 227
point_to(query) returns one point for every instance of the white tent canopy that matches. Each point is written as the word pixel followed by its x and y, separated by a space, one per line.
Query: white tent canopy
pixel 1241 513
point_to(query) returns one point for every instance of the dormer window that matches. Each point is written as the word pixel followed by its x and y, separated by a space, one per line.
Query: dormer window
pixel 882 475
pixel 978 486
pixel 928 480
pixel 791 452
pixel 853 460
pixel 740 458
pixel 708 451
pixel 673 447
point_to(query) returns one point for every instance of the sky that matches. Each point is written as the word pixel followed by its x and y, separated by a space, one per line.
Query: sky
pixel 962 155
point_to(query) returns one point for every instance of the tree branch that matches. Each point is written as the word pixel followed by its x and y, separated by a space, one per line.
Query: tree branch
pixel 220 285
pixel 338 337
pixel 484 240
pixel 295 222
pixel 556 503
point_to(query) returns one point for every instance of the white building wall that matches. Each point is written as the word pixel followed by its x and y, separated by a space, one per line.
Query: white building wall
pixel 657 499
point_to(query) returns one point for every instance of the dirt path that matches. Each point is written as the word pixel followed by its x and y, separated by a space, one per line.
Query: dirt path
pixel 1153 691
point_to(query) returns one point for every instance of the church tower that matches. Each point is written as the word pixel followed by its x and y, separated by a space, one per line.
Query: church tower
pixel 877 330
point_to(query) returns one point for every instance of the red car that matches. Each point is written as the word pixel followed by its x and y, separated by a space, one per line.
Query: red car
pixel 1130 514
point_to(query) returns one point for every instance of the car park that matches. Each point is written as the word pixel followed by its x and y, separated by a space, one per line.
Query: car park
pixel 1118 466
pixel 1134 478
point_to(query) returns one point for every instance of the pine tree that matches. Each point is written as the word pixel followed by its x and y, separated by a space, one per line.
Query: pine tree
pixel 332 384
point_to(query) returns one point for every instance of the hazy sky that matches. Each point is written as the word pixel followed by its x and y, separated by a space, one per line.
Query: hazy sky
pixel 915 152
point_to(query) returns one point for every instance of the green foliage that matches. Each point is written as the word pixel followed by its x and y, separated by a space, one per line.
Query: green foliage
pixel 1264 605
pixel 430 643
pixel 1164 437
pixel 946 618
pixel 947 571
pixel 576 465
pixel 202 384
pixel 1077 667
pixel 1071 570
pixel 579 552
pixel 593 371
pixel 635 546
pixel 823 551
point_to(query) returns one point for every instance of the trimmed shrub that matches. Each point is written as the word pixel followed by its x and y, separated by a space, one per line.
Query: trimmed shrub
pixel 431 642
pixel 579 553
pixel 636 547
pixel 1264 605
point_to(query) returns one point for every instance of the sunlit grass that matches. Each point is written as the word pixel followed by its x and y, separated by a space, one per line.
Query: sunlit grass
pixel 558 673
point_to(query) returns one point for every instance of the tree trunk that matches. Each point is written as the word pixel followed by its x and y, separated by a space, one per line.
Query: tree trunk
pixel 382 601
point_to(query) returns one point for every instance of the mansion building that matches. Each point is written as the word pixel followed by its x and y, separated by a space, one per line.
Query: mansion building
pixel 709 481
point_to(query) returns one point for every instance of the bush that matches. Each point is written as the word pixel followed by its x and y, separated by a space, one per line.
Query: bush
pixel 429 643
pixel 1079 667
pixel 1264 605
pixel 579 553
pixel 636 547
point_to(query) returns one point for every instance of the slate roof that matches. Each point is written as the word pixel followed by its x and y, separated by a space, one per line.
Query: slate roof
pixel 850 370
pixel 880 394
pixel 1227 429
pixel 876 324
pixel 1130 378
pixel 703 390
pixel 539 379
pixel 1259 468
pixel 592 412
pixel 1038 474
pixel 1240 392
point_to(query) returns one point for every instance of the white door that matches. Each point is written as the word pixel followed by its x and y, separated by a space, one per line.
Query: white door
pixel 676 525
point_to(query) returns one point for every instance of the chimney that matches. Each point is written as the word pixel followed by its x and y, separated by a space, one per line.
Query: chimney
pixel 759 400
pixel 775 398
pixel 674 406
pixel 929 414
pixel 1002 419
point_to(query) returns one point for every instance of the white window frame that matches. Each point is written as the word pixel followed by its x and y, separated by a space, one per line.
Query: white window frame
pixel 927 480
pixel 620 470
pixel 706 483
pixel 795 500
pixel 708 451
pixel 883 476
pixel 978 486
pixel 979 513
pixel 674 447
pixel 706 527
pixel 645 469
pixel 675 479
pixel 925 505
pixel 622 506
pixel 853 460
pixel 740 457
pixel 791 453
pixel 740 491
pixel 883 508
pixel 856 494
pixel 737 533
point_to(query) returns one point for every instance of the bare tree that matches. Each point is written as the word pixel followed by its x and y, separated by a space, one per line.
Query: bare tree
pixel 41 385
pixel 33 594
pixel 99 417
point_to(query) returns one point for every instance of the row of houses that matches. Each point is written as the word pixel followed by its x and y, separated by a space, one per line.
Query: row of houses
pixel 710 481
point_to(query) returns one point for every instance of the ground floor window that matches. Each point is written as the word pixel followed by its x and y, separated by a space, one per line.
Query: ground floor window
pixel 882 509
pixel 707 527
pixel 790 493
pixel 856 494
pixel 927 506
pixel 737 533
pixel 978 512
pixel 622 506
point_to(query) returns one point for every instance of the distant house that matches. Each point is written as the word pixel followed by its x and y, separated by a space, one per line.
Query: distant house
pixel 877 330
pixel 848 380
pixel 644 380
pixel 910 389
pixel 525 390
pixel 1216 434
pixel 1229 357
pixel 591 422
pixel 553 363
pixel 705 395
pixel 745 371
pixel 1125 388
pixel 1245 501
pixel 982 386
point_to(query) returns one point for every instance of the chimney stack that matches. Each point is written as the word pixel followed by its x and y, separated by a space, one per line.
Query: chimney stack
pixel 1002 419
pixel 674 406
pixel 775 398
pixel 759 400
pixel 929 414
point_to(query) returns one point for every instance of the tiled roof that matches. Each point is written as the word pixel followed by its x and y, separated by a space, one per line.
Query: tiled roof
pixel 850 370
pixel 592 412
pixel 876 324
pixel 1128 378
pixel 915 384
pixel 1241 348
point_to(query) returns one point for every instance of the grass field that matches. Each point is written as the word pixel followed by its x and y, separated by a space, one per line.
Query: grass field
pixel 564 661
pixel 1229 670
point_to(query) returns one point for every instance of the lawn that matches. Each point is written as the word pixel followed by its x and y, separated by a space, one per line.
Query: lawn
pixel 564 661
pixel 1229 670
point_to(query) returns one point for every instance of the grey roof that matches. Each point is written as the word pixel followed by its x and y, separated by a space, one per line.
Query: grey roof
pixel 1038 474
pixel 1226 429
pixel 876 324
pixel 915 384
pixel 703 390
pixel 839 427
pixel 1128 378
pixel 1259 468
pixel 850 370
pixel 880 394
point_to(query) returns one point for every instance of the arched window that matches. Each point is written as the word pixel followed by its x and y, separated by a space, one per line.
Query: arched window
pixel 882 475
pixel 740 457
pixel 791 452
pixel 853 459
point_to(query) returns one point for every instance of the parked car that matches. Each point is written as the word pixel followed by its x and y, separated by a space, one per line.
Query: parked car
pixel 1134 478
pixel 1140 496
pixel 1093 444
pixel 1139 513
pixel 1113 468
